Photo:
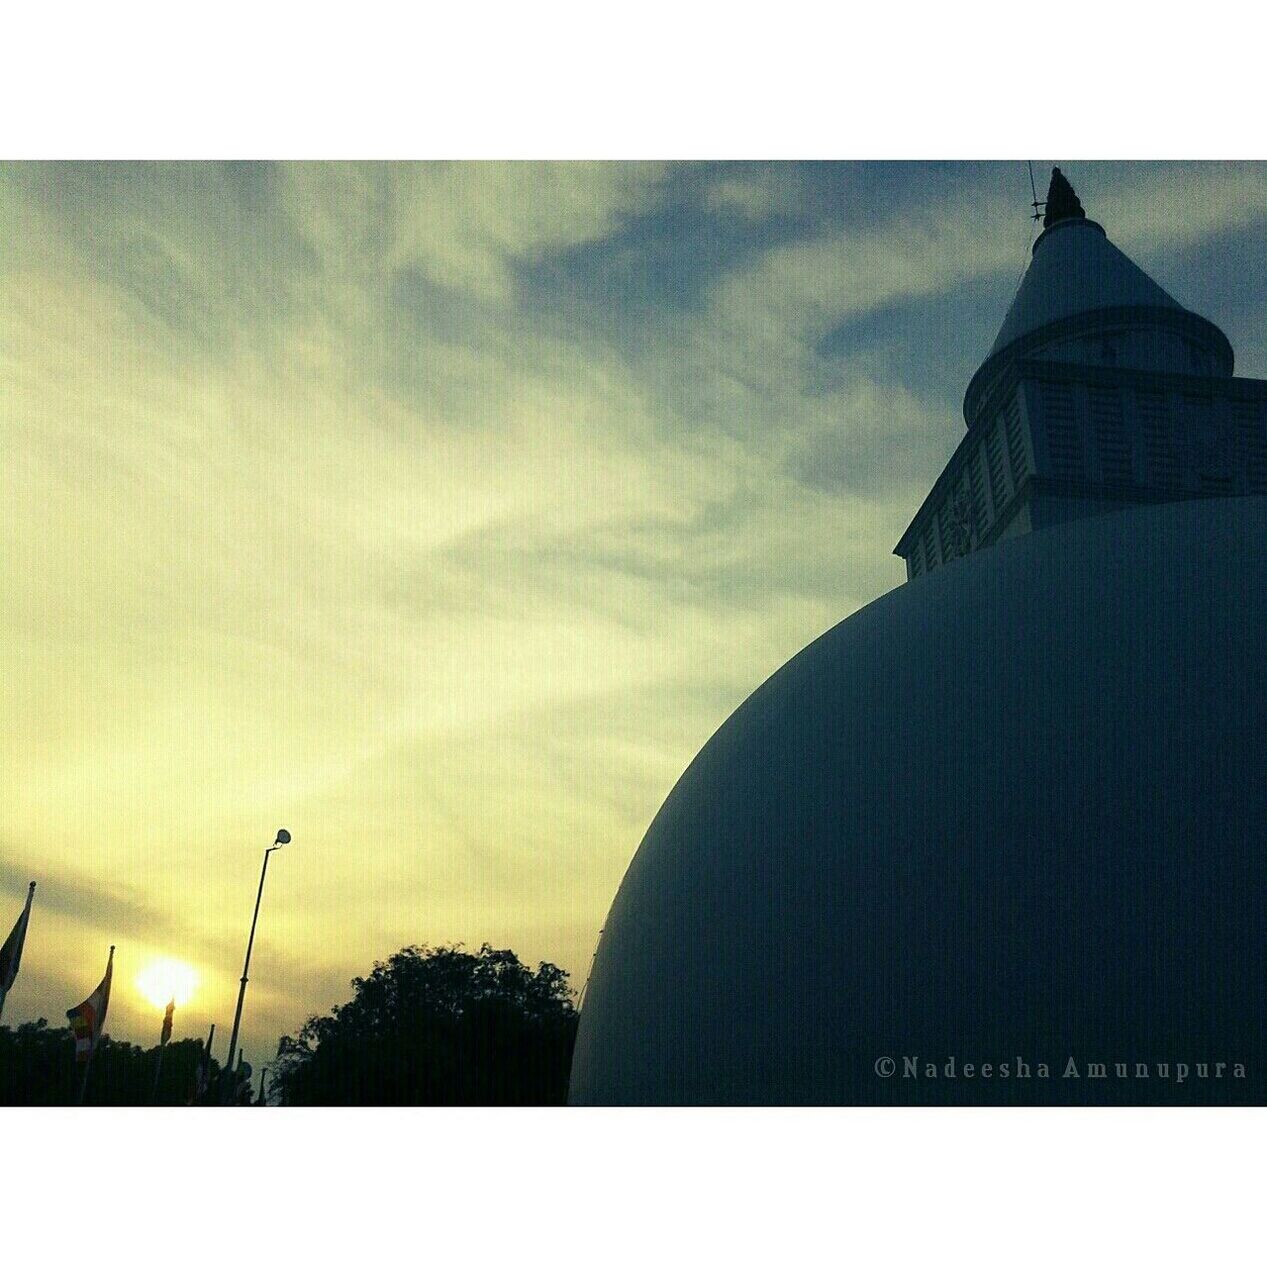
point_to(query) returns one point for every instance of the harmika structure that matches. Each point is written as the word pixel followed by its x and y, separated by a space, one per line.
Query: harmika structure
pixel 1100 392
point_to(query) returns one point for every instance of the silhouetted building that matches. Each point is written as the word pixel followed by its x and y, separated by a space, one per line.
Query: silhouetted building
pixel 1008 818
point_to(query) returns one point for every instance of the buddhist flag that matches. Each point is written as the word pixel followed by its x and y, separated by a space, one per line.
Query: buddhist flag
pixel 166 1035
pixel 202 1074
pixel 87 1019
pixel 11 951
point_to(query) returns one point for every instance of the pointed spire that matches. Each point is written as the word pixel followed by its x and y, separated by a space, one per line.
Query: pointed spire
pixel 1062 202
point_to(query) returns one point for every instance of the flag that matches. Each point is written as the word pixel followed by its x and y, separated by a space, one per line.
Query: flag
pixel 202 1075
pixel 165 1037
pixel 11 951
pixel 87 1019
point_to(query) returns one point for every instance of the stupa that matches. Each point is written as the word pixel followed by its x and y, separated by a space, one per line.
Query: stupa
pixel 998 837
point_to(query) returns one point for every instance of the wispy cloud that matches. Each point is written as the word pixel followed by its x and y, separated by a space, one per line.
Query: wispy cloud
pixel 441 513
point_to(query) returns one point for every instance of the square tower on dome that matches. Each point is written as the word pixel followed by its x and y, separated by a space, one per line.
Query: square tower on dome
pixel 1100 391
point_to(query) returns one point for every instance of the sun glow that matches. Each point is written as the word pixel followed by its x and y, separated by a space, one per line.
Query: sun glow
pixel 164 979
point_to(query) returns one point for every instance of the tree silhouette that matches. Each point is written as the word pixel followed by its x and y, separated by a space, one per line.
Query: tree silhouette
pixel 437 1025
pixel 37 1067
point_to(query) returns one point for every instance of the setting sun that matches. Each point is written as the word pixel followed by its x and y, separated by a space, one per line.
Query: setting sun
pixel 164 979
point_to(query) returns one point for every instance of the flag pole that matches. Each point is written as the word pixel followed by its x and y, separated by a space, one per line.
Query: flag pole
pixel 283 838
pixel 204 1061
pixel 83 1081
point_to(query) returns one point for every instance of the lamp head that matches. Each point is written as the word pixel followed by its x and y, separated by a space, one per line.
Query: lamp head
pixel 283 838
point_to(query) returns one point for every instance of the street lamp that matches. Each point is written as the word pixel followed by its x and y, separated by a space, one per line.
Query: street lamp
pixel 283 838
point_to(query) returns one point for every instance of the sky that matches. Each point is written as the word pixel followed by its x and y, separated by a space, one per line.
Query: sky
pixel 440 513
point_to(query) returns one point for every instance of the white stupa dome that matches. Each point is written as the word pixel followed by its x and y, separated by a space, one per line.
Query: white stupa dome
pixel 1012 812
pixel 1013 809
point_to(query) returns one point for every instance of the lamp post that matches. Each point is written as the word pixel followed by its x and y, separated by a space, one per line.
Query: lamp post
pixel 283 838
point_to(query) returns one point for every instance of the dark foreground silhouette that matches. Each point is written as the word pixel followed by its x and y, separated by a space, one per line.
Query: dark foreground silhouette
pixel 429 1026
pixel 37 1067
pixel 437 1025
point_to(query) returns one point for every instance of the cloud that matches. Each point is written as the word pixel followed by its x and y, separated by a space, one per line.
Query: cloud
pixel 749 196
pixel 322 511
pixel 466 226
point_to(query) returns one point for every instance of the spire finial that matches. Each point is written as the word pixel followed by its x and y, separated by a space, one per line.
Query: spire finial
pixel 1062 202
